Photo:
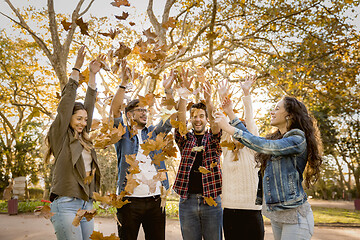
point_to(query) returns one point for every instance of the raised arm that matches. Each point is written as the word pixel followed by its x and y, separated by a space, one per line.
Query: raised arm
pixel 248 108
pixel 89 103
pixel 210 108
pixel 118 99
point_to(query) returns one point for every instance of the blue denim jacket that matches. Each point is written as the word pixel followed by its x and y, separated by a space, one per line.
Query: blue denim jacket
pixel 283 176
pixel 128 146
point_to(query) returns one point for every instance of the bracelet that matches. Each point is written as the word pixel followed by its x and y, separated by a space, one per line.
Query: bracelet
pixel 76 69
pixel 123 87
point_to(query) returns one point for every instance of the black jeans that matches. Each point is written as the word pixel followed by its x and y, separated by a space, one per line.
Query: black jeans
pixel 242 224
pixel 145 211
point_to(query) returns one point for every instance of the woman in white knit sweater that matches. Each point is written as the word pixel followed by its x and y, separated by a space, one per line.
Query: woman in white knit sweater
pixel 242 219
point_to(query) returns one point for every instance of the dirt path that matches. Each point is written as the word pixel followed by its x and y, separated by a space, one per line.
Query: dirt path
pixel 28 226
pixel 332 204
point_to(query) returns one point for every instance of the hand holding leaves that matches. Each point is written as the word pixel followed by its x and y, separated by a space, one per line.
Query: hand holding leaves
pixel 249 81
pixel 80 57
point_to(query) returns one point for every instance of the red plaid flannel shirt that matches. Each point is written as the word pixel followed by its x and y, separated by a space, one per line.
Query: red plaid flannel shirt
pixel 212 181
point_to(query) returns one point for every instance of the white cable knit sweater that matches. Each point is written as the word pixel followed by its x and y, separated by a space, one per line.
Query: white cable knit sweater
pixel 240 179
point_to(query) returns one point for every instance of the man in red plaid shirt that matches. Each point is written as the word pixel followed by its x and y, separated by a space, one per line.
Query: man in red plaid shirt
pixel 198 180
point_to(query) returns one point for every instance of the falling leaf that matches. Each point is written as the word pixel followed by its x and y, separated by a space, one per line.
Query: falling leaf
pixel 148 100
pixel 84 76
pixel 211 36
pixel 131 184
pixel 112 33
pixel 88 179
pixel 123 16
pixel 134 164
pixel 122 51
pixel 170 150
pixel 112 199
pixel 163 196
pixel 79 215
pixel 213 164
pixel 210 201
pixel 158 158
pixel 83 26
pixel 166 113
pixel 230 145
pixel 149 34
pixel 197 149
pixel 66 25
pixel 203 170
pixel 44 211
pixel 58 96
pixel 118 3
pixel 96 123
pixel 181 126
pixel 171 22
pixel 152 145
pixel 160 176
pixel 184 93
pixel 131 23
pixel 200 73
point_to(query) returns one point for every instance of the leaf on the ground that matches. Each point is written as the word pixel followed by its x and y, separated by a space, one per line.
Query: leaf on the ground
pixel 118 3
pixel 203 170
pixel 197 149
pixel 122 51
pixel 213 164
pixel 131 184
pixel 112 33
pixel 124 16
pixel 99 236
pixel 44 211
pixel 171 22
pixel 181 126
pixel 210 201
pixel 84 27
pixel 66 25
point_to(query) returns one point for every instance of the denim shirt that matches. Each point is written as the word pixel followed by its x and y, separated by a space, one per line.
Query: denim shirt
pixel 283 176
pixel 129 146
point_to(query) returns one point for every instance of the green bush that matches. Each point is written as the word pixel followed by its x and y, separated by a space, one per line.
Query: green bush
pixel 36 193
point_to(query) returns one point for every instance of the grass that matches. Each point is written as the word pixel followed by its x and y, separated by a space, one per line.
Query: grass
pixel 321 215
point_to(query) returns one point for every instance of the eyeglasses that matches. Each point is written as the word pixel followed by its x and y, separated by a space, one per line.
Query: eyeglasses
pixel 142 110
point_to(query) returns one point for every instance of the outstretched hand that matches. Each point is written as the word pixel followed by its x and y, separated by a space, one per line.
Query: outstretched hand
pixel 246 86
pixel 207 91
pixel 125 73
pixel 80 57
pixel 223 89
pixel 168 81
pixel 221 120
pixel 185 80
pixel 95 65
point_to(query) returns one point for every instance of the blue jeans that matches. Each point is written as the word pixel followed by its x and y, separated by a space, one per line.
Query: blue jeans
pixel 197 219
pixel 303 230
pixel 65 209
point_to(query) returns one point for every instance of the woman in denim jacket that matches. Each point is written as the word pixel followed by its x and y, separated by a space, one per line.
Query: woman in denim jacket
pixel 285 156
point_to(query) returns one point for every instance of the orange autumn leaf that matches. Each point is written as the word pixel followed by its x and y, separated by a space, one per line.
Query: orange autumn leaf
pixel 158 158
pixel 181 126
pixel 152 145
pixel 84 27
pixel 118 3
pixel 66 25
pixel 44 211
pixel 210 201
pixel 213 164
pixel 112 199
pixel 122 51
pixel 84 76
pixel 134 164
pixel 203 170
pixel 169 23
pixel 112 33
pixel 197 149
pixel 148 100
pixel 131 184
pixel 88 179
pixel 99 236
pixel 131 23
pixel 81 213
pixel 123 16
pixel 230 145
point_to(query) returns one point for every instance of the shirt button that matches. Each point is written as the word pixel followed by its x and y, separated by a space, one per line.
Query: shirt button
pixel 269 194
pixel 267 178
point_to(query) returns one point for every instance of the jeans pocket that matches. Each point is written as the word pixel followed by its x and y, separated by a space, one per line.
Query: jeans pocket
pixel 64 199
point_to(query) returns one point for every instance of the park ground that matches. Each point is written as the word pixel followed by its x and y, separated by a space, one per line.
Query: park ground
pixel 29 226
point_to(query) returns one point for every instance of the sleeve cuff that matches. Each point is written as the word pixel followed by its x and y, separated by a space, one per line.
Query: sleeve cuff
pixel 235 121
pixel 238 133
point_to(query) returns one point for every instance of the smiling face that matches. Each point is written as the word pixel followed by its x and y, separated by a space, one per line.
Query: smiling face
pixel 279 115
pixel 79 120
pixel 138 116
pixel 198 120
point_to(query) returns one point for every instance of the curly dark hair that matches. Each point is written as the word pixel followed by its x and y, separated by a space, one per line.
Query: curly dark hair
pixel 199 105
pixel 300 119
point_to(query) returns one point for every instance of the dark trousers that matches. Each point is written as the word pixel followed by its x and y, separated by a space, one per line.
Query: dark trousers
pixel 242 224
pixel 145 211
